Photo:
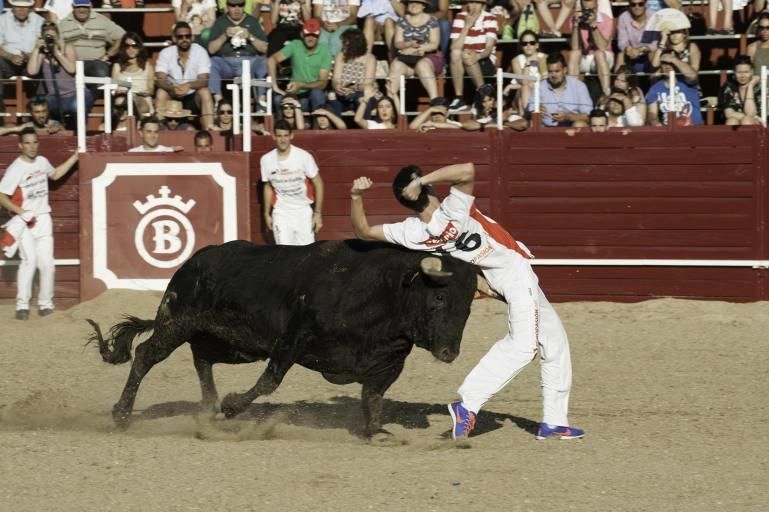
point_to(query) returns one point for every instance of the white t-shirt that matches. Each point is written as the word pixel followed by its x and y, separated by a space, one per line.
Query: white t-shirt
pixel 27 182
pixel 158 149
pixel 459 229
pixel 290 178
pixel 335 11
pixel 198 63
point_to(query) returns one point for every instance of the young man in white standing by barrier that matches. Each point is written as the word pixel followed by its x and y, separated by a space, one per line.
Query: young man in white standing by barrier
pixel 24 192
pixel 291 185
pixel 455 226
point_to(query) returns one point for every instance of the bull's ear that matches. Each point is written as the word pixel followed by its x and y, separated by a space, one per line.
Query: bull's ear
pixel 432 268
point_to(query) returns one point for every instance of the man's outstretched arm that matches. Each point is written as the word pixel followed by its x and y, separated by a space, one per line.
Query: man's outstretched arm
pixel 360 224
pixel 460 176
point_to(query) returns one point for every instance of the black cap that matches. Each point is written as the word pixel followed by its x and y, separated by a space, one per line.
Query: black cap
pixel 439 101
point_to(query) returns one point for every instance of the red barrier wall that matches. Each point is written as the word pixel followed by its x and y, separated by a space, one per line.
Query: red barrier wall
pixel 689 194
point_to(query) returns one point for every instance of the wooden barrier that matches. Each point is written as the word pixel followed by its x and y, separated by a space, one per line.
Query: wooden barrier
pixel 689 194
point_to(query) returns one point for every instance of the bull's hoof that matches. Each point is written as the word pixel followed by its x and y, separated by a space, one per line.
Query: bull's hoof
pixel 121 417
pixel 234 404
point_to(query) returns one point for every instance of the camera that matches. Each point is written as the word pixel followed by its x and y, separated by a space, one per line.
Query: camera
pixel 585 15
pixel 50 42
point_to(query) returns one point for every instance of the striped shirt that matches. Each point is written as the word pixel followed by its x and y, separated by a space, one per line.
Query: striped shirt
pixel 485 28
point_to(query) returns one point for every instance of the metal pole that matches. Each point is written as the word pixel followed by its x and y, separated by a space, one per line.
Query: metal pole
pixel 763 95
pixel 236 113
pixel 402 95
pixel 499 98
pixel 130 98
pixel 245 82
pixel 108 88
pixel 80 98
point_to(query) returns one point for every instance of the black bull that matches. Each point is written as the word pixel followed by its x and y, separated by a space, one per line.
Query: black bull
pixel 350 310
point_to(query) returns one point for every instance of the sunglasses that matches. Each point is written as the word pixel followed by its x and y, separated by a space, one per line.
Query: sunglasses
pixel 225 112
pixel 49 24
pixel 637 4
pixel 230 4
pixel 287 106
pixel 528 43
pixel 763 27
pixel 183 36
pixel 132 45
pixel 677 32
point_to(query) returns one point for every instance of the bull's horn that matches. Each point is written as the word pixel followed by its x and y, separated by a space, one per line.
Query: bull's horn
pixel 485 288
pixel 432 266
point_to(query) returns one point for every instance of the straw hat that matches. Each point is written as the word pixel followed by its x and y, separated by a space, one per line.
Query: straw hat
pixel 670 19
pixel 174 110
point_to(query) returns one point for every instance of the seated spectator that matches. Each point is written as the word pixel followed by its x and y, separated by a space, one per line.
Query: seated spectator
pixel 200 14
pixel 291 110
pixel 473 47
pixel 384 113
pixel 174 117
pixel 685 55
pixel 325 119
pixel 40 117
pixel 204 143
pixel 378 16
pixel 310 68
pixel 19 35
pixel 288 17
pixel 132 66
pixel 417 38
pixel 564 100
pixel 335 17
pixel 685 100
pixel 235 37
pixel 597 121
pixel 591 37
pixel 225 116
pixel 485 111
pixel 53 61
pixel 150 132
pixel 90 34
pixel 625 81
pixel 354 72
pixel 728 24
pixel 182 74
pixel 758 50
pixel 530 62
pixel 737 98
pixel 620 110
pixel 552 28
pixel 252 7
pixel 435 116
pixel 631 25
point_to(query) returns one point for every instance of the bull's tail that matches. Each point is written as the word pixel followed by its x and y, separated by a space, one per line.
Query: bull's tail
pixel 116 349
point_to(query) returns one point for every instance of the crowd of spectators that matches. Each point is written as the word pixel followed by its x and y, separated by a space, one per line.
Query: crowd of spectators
pixel 320 58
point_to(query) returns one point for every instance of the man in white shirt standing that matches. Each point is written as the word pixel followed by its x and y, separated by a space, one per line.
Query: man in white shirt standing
pixel 456 227
pixel 150 132
pixel 24 193
pixel 291 185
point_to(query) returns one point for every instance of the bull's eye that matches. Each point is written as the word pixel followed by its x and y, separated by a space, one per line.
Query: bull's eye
pixel 439 298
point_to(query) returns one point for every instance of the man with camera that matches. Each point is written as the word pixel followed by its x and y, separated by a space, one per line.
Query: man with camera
pixel 19 30
pixel 54 62
pixel 591 37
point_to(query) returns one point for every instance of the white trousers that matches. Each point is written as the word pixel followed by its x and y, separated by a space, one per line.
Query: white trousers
pixel 534 330
pixel 36 252
pixel 293 227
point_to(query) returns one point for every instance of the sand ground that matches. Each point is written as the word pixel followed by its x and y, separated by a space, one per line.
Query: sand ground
pixel 673 395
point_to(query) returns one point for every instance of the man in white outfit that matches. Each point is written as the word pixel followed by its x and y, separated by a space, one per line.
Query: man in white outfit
pixel 24 193
pixel 291 185
pixel 455 226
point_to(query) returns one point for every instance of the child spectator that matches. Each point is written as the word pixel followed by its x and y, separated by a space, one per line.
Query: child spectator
pixel 132 66
pixel 417 38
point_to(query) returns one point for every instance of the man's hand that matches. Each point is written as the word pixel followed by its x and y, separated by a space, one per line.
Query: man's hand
pixel 329 26
pixel 180 90
pixel 470 57
pixel 17 60
pixel 560 116
pixel 317 221
pixel 292 87
pixel 413 189
pixel 360 185
pixel 28 217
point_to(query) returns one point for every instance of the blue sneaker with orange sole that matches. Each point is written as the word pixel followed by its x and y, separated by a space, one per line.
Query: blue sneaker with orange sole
pixel 555 432
pixel 463 421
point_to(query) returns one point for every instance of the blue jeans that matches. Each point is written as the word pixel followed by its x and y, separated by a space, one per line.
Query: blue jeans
pixel 443 46
pixel 68 115
pixel 309 98
pixel 230 67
